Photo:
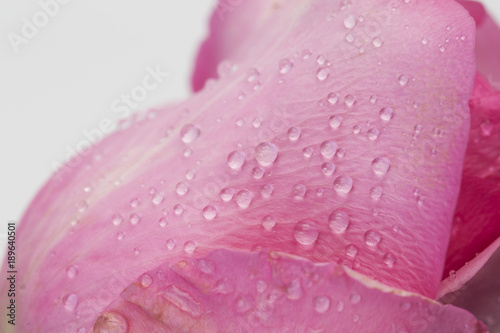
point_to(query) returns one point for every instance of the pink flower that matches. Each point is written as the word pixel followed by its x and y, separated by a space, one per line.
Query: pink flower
pixel 311 188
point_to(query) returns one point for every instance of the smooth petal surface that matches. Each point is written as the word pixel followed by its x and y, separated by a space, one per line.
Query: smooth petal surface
pixel 269 292
pixel 477 217
pixel 341 140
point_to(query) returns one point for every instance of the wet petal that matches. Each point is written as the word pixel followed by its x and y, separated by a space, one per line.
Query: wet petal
pixel 268 292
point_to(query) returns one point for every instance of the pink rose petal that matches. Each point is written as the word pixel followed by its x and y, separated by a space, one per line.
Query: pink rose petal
pixel 268 292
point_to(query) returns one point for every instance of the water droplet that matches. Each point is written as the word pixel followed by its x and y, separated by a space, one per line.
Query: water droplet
pixel 403 80
pixel 328 149
pixel 381 165
pixel 373 134
pixel 386 113
pixel 340 152
pixel 294 289
pixel 268 222
pixel 322 74
pixel 321 59
pixel 350 37
pixel 332 98
pixel 285 65
pixel 349 100
pixel 236 159
pixel 261 286
pixel 171 243
pixel 190 174
pixel 145 280
pixel 343 184
pixel 389 260
pixel 258 172
pixel 227 194
pixel 356 129
pixel 178 209
pixel 72 271
pixel 134 202
pixel 486 128
pixel 120 235
pixel 252 75
pixel 209 213
pixel 189 247
pixel 137 251
pixel 340 306
pixel 266 153
pixel 240 122
pixel 308 151
pixel 163 222
pixel 377 42
pixel 306 232
pixel 335 121
pixel 243 198
pixel 442 48
pixel 298 191
pixel 306 54
pixel 328 168
pixel 372 238
pixel 376 192
pixel 187 152
pixel 257 122
pixel 182 188
pixel 339 221
pixel 266 191
pixel 350 21
pixel 351 250
pixel 425 41
pixel 294 133
pixel 321 304
pixel 134 219
pixel 453 275
pixel 189 133
pixel 70 301
pixel 355 298
pixel 117 219
pixel 157 199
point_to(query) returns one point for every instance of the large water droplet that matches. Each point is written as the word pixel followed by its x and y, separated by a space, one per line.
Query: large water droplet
pixel 266 153
pixel 243 198
pixel 349 100
pixel 178 209
pixel 189 133
pixel 209 212
pixel 403 80
pixel 306 232
pixel 157 199
pixel 335 121
pixel 189 247
pixel 339 221
pixel 298 191
pixel 372 238
pixel 321 304
pixel 328 168
pixel 381 165
pixel 226 194
pixel 328 149
pixel 182 188
pixel 322 74
pixel 308 151
pixel 333 98
pixel 350 21
pixel 236 159
pixel 386 113
pixel 377 42
pixel 343 184
pixel 72 271
pixel 285 65
pixel 70 301
pixel 294 133
pixel 268 222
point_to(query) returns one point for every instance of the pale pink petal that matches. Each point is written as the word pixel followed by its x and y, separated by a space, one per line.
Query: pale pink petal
pixel 487 42
pixel 268 157
pixel 477 217
pixel 269 292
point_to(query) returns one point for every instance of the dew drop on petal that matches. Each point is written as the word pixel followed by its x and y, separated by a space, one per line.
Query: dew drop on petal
pixel 243 198
pixel 171 243
pixel 381 165
pixel 252 75
pixel 351 250
pixel 182 188
pixel 145 280
pixel 343 184
pixel 308 151
pixel 178 209
pixel 328 149
pixel 72 271
pixel 335 121
pixel 285 65
pixel 355 298
pixel 350 21
pixel 70 301
pixel 389 260
pixel 189 133
pixel 403 80
pixel 163 222
pixel 298 191
pixel 377 42
pixel 294 133
pixel 306 232
pixel 266 191
pixel 268 222
pixel 322 74
pixel 332 98
pixel 236 159
pixel 266 153
pixel 350 100
pixel 386 113
pixel 339 221
pixel 134 219
pixel 209 212
pixel 157 199
pixel 373 134
pixel 376 192
pixel 189 247
pixel 328 168
pixel 321 304
pixel 117 219
pixel 226 194
pixel 372 238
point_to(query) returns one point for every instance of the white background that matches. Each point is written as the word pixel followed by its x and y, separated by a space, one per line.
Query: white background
pixel 64 80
